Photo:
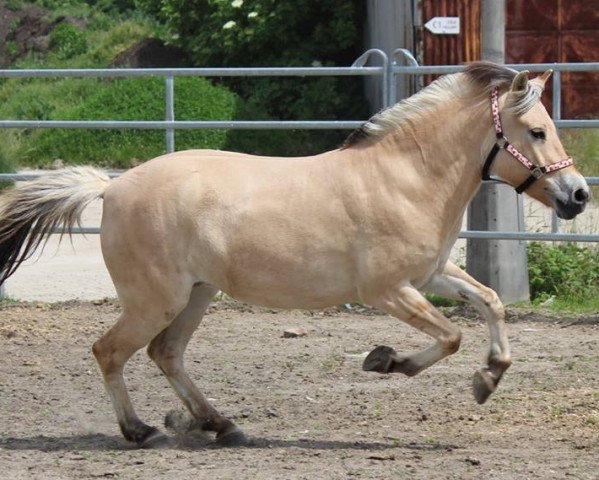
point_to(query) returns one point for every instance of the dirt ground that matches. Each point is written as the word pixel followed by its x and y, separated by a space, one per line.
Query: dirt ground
pixel 310 410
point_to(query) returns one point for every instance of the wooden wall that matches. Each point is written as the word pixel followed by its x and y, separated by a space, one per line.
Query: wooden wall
pixel 537 31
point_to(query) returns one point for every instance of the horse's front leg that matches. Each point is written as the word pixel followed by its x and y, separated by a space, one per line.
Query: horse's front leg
pixel 407 303
pixel 454 283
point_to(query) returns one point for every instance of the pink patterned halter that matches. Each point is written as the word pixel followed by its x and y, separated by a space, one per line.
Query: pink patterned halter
pixel 536 172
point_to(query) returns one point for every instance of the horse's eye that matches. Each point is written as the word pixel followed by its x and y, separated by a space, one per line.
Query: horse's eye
pixel 538 134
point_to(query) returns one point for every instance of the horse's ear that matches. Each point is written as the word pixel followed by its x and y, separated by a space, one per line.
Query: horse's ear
pixel 520 82
pixel 542 79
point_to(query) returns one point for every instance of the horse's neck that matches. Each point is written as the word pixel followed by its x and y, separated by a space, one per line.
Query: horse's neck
pixel 440 155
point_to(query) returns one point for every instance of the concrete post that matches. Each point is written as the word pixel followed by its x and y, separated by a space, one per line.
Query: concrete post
pixel 499 264
pixel 389 27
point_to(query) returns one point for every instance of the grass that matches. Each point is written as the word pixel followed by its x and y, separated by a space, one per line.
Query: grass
pixel 562 304
pixel 583 145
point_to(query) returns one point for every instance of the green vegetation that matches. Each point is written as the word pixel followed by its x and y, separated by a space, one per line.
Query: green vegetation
pixel 112 27
pixel 68 41
pixel 105 36
pixel 565 273
pixel 270 33
pixel 126 99
pixel 5 167
pixel 583 145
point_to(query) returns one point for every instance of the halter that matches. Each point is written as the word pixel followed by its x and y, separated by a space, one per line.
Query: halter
pixel 536 172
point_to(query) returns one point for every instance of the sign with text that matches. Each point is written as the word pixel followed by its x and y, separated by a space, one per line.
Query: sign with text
pixel 443 25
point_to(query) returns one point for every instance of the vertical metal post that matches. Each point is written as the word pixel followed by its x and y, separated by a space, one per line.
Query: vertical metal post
pixel 556 115
pixel 388 26
pixel 500 264
pixel 170 113
pixel 363 59
pixel 410 80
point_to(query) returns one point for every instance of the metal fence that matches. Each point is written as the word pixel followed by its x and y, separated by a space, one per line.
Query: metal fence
pixel 401 64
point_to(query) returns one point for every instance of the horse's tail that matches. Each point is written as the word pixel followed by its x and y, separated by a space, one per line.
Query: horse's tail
pixel 30 211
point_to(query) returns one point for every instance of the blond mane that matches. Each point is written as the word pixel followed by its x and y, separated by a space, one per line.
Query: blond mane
pixel 477 80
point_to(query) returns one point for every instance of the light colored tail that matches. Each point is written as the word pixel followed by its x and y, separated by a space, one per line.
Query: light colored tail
pixel 30 211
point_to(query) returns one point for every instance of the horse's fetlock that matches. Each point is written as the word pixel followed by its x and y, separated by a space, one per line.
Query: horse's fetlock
pixel 451 343
pixel 500 362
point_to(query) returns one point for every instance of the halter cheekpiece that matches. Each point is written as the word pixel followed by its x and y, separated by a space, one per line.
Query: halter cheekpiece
pixel 536 172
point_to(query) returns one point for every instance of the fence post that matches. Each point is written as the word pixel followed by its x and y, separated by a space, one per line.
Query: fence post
pixel 499 264
pixel 170 112
pixel 556 114
pixel 388 27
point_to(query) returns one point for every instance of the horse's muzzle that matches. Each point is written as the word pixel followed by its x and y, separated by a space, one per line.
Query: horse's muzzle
pixel 575 204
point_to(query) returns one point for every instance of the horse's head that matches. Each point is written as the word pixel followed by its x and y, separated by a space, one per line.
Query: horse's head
pixel 532 157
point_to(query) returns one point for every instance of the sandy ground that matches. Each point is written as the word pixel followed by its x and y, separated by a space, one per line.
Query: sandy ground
pixel 309 409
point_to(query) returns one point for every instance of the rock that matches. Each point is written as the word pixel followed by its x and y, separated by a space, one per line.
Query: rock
pixel 295 332
pixel 151 53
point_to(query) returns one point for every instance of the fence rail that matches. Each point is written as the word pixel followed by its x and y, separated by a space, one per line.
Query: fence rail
pixel 387 71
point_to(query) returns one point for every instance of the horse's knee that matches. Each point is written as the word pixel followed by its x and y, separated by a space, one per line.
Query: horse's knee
pixel 491 300
pixel 102 353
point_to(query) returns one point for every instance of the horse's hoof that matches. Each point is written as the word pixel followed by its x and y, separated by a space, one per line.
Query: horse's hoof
pixel 379 360
pixel 483 385
pixel 156 439
pixel 233 438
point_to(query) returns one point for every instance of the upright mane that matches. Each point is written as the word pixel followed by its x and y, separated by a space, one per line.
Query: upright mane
pixel 482 75
pixel 488 75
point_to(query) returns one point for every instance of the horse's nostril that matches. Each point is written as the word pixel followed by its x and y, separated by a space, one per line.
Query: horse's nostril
pixel 581 195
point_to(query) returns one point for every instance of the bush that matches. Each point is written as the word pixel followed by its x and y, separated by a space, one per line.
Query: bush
pixel 129 99
pixel 67 41
pixel 563 270
pixel 271 33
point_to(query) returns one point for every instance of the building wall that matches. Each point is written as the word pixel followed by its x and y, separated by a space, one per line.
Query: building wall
pixel 537 31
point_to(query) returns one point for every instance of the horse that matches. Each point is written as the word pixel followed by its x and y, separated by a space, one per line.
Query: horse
pixel 372 221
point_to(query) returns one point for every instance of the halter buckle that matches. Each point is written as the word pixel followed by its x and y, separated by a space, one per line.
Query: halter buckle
pixel 502 142
pixel 537 172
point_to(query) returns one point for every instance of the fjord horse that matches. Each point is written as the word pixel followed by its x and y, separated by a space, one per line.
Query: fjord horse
pixel 372 222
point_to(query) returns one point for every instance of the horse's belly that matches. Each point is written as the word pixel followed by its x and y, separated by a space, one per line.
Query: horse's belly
pixel 304 285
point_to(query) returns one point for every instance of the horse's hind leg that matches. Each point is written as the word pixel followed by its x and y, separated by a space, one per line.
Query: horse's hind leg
pixel 454 283
pixel 142 319
pixel 167 351
pixel 408 304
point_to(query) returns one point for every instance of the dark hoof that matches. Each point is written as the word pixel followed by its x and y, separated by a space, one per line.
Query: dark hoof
pixel 379 360
pixel 233 438
pixel 155 439
pixel 385 360
pixel 483 385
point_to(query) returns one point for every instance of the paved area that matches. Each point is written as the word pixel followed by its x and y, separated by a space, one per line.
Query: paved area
pixel 72 270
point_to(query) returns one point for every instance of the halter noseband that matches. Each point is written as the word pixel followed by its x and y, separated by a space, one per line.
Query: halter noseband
pixel 536 172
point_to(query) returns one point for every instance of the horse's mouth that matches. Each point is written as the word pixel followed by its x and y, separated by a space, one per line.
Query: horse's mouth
pixel 568 210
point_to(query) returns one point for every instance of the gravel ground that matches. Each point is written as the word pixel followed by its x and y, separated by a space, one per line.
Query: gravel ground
pixel 309 409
